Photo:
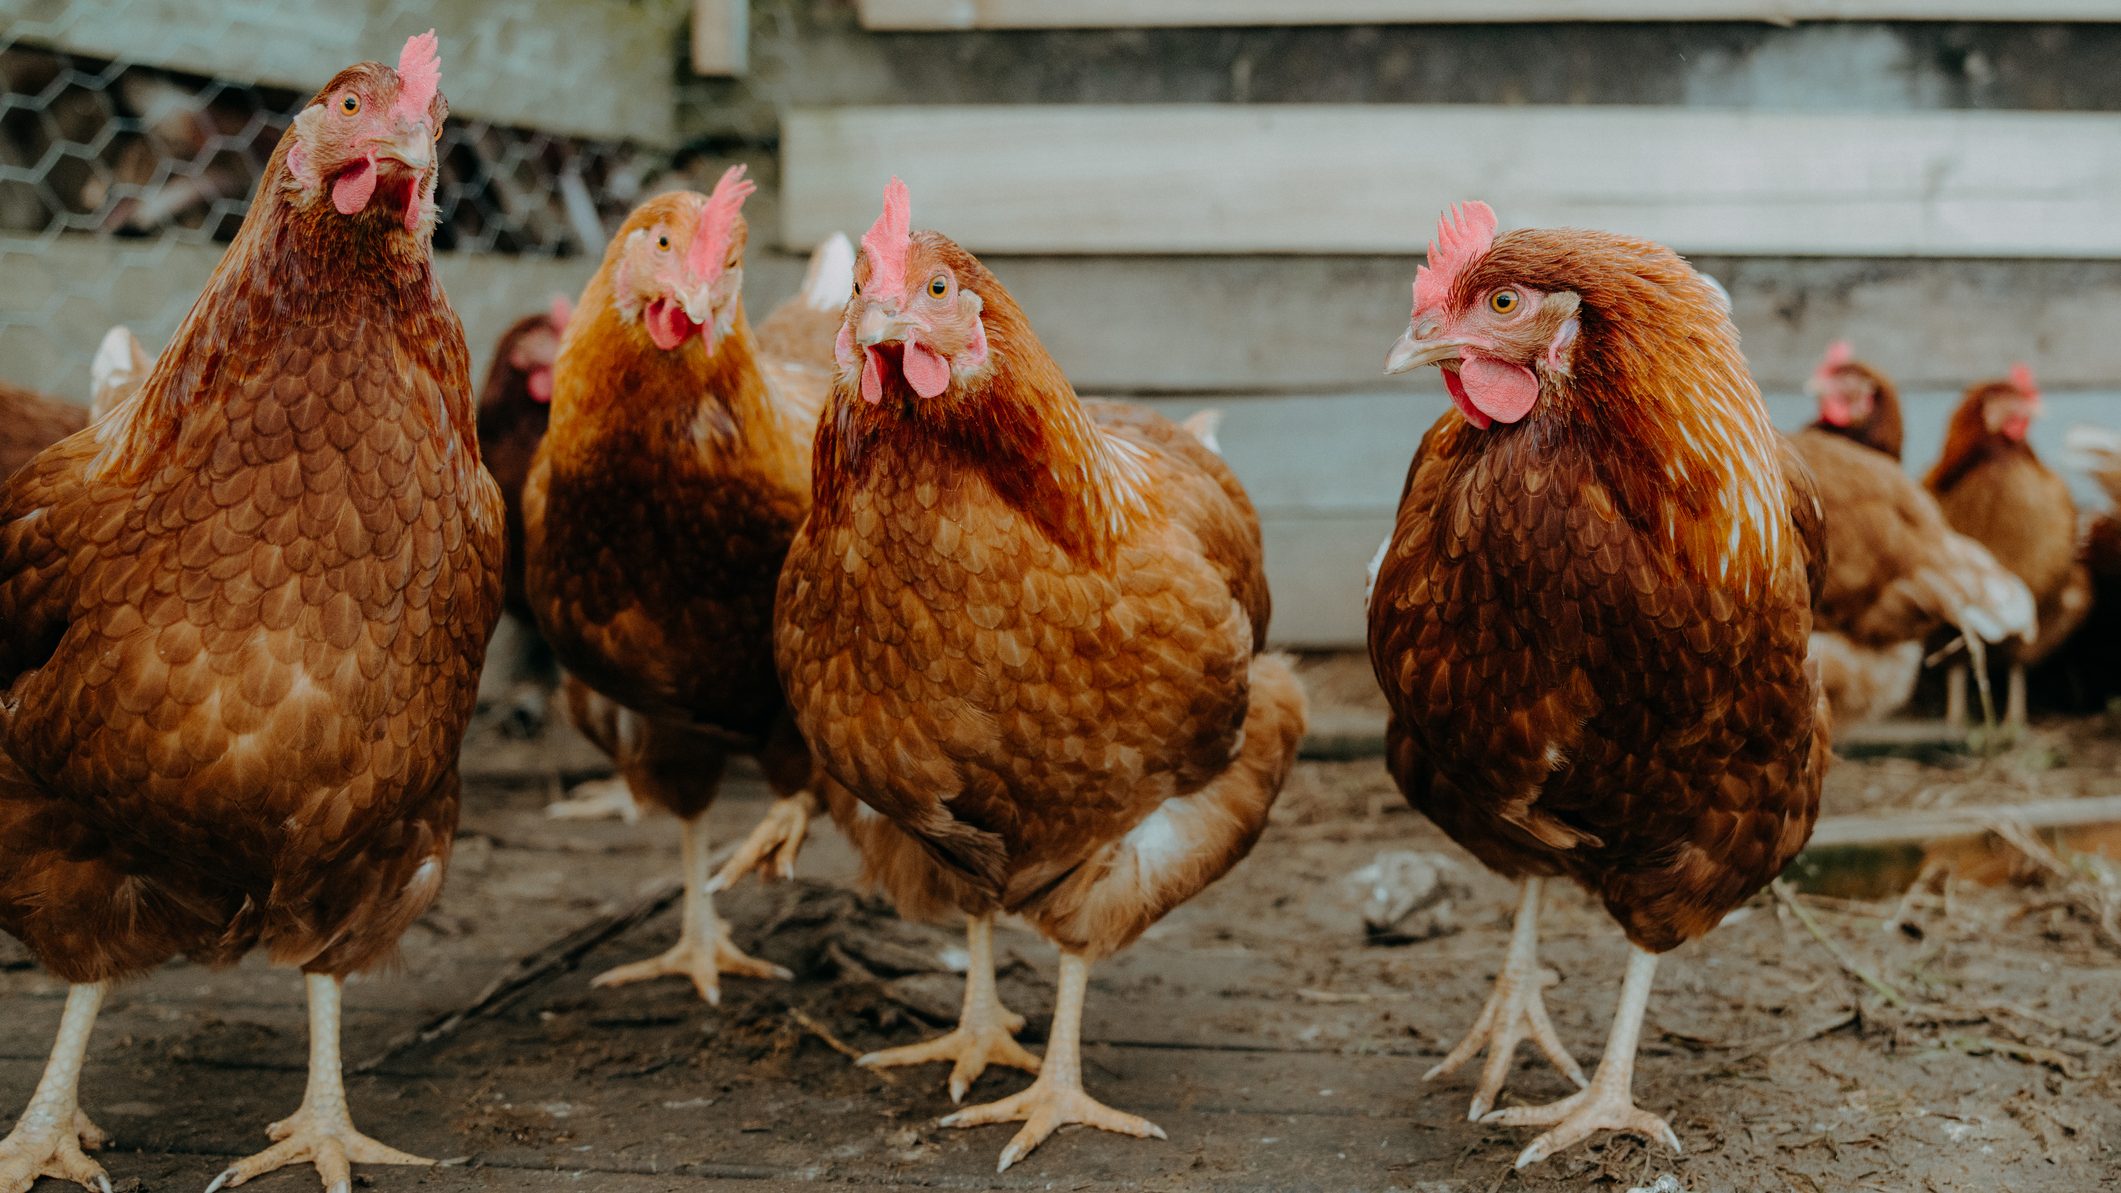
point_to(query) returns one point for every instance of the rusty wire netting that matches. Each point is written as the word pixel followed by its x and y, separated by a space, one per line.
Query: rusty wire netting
pixel 112 170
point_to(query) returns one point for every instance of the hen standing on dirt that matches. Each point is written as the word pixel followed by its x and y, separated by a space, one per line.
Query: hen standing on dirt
pixel 1591 620
pixel 1026 630
pixel 243 621
pixel 1995 490
pixel 661 503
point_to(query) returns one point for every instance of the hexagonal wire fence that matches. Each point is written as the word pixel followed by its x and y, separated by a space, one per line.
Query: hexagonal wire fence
pixel 120 182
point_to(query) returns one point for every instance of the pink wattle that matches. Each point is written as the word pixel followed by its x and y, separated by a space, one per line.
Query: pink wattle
pixel 668 324
pixel 1465 404
pixel 351 191
pixel 540 384
pixel 925 369
pixel 872 377
pixel 1502 391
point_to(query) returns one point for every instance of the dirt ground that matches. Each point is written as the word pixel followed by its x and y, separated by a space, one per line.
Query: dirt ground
pixel 1971 1044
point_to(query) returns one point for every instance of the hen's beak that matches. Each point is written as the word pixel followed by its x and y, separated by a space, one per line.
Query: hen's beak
pixel 879 326
pixel 699 304
pixel 1410 352
pixel 412 146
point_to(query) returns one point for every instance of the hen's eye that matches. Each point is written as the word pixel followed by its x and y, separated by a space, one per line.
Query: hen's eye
pixel 350 104
pixel 662 242
pixel 1502 302
pixel 938 286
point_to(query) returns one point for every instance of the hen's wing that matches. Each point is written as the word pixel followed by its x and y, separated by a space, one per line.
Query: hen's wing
pixel 1896 571
pixel 1228 526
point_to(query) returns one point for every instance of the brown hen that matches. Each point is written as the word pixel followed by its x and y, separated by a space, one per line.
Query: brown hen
pixel 657 512
pixel 1025 632
pixel 1995 490
pixel 244 616
pixel 1591 619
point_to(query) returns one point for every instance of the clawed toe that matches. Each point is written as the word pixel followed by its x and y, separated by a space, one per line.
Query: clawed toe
pixel 1045 1108
pixel 1578 1117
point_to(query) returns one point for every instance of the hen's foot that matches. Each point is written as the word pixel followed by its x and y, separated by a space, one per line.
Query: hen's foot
pixel 1515 1011
pixel 1605 1106
pixel 772 847
pixel 39 1149
pixel 970 1048
pixel 597 799
pixel 329 1142
pixel 1044 1108
pixel 699 960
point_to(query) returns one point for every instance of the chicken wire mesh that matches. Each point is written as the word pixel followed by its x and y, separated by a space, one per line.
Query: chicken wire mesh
pixel 121 181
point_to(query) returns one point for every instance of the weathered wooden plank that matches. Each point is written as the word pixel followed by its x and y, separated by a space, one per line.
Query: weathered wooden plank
pixel 594 68
pixel 1326 471
pixel 721 37
pixel 1142 14
pixel 1328 178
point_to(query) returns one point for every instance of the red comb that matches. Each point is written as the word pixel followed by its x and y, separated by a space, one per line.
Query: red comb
pixel 1463 234
pixel 419 73
pixel 562 311
pixel 888 240
pixel 710 241
pixel 1838 354
pixel 2022 377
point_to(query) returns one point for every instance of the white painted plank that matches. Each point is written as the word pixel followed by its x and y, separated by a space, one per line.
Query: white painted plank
pixel 721 37
pixel 1143 14
pixel 593 68
pixel 1326 471
pixel 1325 178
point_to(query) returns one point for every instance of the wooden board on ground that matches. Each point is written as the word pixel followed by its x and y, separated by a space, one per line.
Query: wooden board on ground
pixel 1332 178
pixel 938 15
pixel 505 63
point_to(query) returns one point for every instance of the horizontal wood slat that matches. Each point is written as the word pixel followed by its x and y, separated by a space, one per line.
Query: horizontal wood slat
pixel 1143 14
pixel 1330 178
pixel 592 68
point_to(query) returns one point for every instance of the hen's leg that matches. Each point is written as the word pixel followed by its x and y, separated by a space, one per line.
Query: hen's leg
pixel 1515 1012
pixel 2014 708
pixel 597 799
pixel 774 843
pixel 1955 698
pixel 1608 1103
pixel 1056 1099
pixel 52 1136
pixel 320 1131
pixel 986 1030
pixel 703 951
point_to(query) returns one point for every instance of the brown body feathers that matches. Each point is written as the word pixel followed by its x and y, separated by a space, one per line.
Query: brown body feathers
pixel 1591 624
pixel 242 619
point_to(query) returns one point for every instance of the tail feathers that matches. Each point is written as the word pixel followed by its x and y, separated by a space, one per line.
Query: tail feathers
pixel 116 371
pixel 801 330
pixel 1982 597
pixel 1202 425
pixel 830 279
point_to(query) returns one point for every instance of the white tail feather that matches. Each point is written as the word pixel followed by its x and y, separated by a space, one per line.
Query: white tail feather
pixel 117 369
pixel 830 279
pixel 1203 424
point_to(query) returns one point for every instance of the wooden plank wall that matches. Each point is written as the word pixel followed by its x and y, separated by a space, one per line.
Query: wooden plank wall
pixel 564 66
pixel 1092 14
pixel 1370 178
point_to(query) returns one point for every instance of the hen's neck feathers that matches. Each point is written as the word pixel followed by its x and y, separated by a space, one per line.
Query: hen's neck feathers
pixel 292 274
pixel 1968 443
pixel 619 400
pixel 1020 426
pixel 1660 401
